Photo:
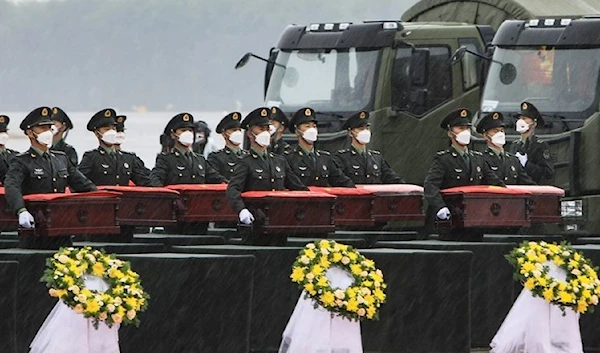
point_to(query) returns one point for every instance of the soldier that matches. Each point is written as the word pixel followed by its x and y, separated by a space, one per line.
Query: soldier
pixel 203 143
pixel 364 166
pixel 506 166
pixel 120 120
pixel 62 126
pixel 533 153
pixel 312 166
pixel 278 123
pixel 106 165
pixel 181 165
pixel 259 170
pixel 40 170
pixel 6 154
pixel 456 166
pixel 224 161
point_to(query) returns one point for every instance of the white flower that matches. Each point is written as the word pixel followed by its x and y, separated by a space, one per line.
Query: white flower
pixel 364 274
pixel 377 284
pixel 594 299
pixel 310 276
pixel 324 251
pixel 74 289
pixel 131 314
pixel 111 308
pixel 81 297
pixel 339 303
pixel 304 259
pixel 79 256
pixel 63 259
pixel 360 299
pixel 340 294
pixel 345 260
pixel 536 273
pixel 576 272
pixel 566 253
pixel 361 312
pixel 91 258
pixel 365 291
pixel 118 301
pixel 310 246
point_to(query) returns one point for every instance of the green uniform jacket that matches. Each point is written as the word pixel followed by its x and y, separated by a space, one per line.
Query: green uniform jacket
pixel 508 169
pixel 279 147
pixel 69 150
pixel 252 173
pixel 30 173
pixel 225 160
pixel 175 168
pixel 367 168
pixel 539 166
pixel 5 158
pixel 103 169
pixel 321 172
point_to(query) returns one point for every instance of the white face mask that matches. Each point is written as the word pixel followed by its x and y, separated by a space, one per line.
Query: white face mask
pixel 120 138
pixel 3 138
pixel 54 129
pixel 272 129
pixel 109 137
pixel 310 134
pixel 499 139
pixel 522 126
pixel 463 137
pixel 364 136
pixel 236 137
pixel 263 139
pixel 45 138
pixel 186 138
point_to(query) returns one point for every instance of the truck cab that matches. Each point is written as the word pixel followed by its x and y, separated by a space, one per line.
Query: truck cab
pixel 554 63
pixel 400 72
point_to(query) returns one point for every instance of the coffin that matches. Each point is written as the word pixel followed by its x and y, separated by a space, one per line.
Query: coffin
pixel 544 205
pixel 204 203
pixel 396 202
pixel 145 206
pixel 8 220
pixel 72 213
pixel 353 207
pixel 483 206
pixel 290 212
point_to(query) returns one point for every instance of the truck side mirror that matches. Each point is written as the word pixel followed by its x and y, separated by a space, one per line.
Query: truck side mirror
pixel 419 67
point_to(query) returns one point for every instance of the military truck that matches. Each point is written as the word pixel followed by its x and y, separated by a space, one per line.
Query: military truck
pixel 399 72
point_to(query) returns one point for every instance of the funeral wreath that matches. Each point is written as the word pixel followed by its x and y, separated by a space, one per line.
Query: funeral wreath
pixel 361 300
pixel 125 297
pixel 579 291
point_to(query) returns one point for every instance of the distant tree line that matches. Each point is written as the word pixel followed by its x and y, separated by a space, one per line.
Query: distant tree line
pixel 160 54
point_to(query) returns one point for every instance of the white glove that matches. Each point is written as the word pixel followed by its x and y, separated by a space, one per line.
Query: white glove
pixel 246 217
pixel 26 220
pixel 443 213
pixel 522 158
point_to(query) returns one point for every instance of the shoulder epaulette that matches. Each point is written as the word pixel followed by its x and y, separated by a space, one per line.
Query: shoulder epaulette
pixel 58 152
pixel 477 153
pixel 344 151
pixel 374 152
pixel 324 152
pixel 441 153
pixel 22 154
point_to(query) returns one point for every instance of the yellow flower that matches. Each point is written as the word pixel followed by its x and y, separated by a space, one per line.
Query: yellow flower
pixel 98 269
pixel 350 292
pixel 337 257
pixel 369 299
pixel 375 277
pixel 114 273
pixel 542 281
pixel 586 294
pixel 531 256
pixel 548 294
pixel 118 290
pixel 371 312
pixel 310 288
pixel 317 270
pixel 542 258
pixel 132 303
pixel 322 281
pixel 378 293
pixel 356 269
pixel 558 260
pixel 562 286
pixel 565 297
pixel 310 253
pixel 527 267
pixel 92 306
pixel 530 283
pixel 352 305
pixel 327 299
pixel 324 244
pixel 343 247
pixel 582 306
pixel 353 256
pixel 69 280
pixel 369 263
pixel 577 256
pixel 297 274
pixel 324 262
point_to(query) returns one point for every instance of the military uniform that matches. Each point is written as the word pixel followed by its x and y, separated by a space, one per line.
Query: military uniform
pixel 280 146
pixel 6 154
pixel 51 172
pixel 364 166
pixel 539 166
pixel 104 166
pixel 138 163
pixel 225 160
pixel 269 172
pixel 182 167
pixel 62 145
pixel 451 169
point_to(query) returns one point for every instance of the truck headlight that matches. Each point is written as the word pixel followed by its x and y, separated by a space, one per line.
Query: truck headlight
pixel 571 208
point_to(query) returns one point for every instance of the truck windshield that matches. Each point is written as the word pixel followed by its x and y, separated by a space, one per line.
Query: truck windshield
pixel 561 83
pixel 326 80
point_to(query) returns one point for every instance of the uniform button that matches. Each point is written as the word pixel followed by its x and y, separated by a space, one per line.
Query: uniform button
pixel 39 177
pixel 53 179
pixel 505 178
pixel 55 190
pixel 194 176
pixel 105 172
pixel 471 179
pixel 180 175
pixel 316 178
pixel 272 189
pixel 117 177
pixel 272 180
pixel 368 176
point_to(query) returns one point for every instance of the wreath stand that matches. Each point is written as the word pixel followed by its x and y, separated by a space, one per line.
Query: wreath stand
pixel 533 325
pixel 314 330
pixel 66 331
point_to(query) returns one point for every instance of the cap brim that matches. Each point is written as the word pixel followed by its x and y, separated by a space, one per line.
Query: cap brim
pixel 42 123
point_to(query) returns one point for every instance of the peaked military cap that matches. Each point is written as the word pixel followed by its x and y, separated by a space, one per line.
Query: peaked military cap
pixel 302 116
pixel 490 121
pixel 120 120
pixel 105 117
pixel 459 117
pixel 38 116
pixel 257 117
pixel 4 120
pixel 357 120
pixel 529 110
pixel 179 121
pixel 278 115
pixel 230 121
pixel 60 115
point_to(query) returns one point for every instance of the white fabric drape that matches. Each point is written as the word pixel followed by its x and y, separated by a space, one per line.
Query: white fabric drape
pixel 535 326
pixel 313 330
pixel 65 331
